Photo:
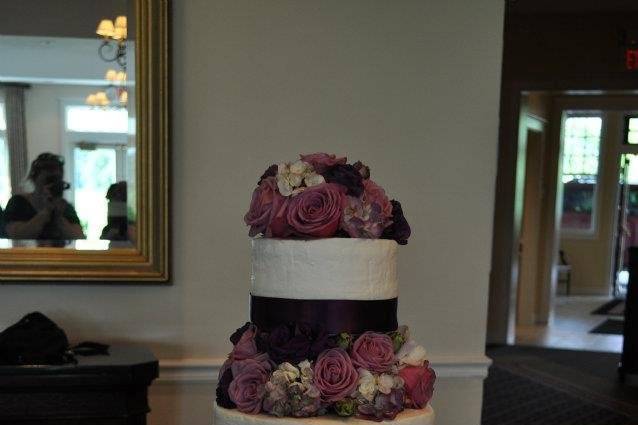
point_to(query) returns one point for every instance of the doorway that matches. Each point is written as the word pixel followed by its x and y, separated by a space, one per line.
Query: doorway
pixel 577 186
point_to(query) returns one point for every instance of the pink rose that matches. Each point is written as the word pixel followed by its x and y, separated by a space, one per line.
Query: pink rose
pixel 316 212
pixel 321 161
pixel 266 203
pixel 419 385
pixel 248 388
pixel 374 352
pixel 374 194
pixel 246 347
pixel 334 375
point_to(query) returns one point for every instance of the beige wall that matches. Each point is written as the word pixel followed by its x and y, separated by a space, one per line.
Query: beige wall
pixel 258 82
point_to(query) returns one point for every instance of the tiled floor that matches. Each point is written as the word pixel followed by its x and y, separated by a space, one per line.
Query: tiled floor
pixel 570 327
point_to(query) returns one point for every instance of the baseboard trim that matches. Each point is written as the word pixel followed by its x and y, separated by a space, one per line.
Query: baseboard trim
pixel 205 370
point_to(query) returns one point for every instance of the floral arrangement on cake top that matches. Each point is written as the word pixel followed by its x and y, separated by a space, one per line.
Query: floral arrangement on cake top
pixel 322 196
pixel 300 372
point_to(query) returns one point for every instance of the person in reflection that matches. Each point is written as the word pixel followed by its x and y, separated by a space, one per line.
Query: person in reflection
pixel 43 214
pixel 116 228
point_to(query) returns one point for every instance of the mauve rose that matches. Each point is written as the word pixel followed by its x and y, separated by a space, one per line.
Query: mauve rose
pixel 345 175
pixel 265 204
pixel 399 230
pixel 316 212
pixel 294 343
pixel 321 161
pixel 334 375
pixel 419 385
pixel 247 390
pixel 373 193
pixel 245 347
pixel 374 352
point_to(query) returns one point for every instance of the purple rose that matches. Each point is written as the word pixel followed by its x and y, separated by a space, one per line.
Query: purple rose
pixel 247 390
pixel 316 212
pixel 399 230
pixel 321 161
pixel 347 176
pixel 363 169
pixel 419 385
pixel 270 172
pixel 245 345
pixel 223 383
pixel 334 375
pixel 374 352
pixel 266 203
pixel 294 343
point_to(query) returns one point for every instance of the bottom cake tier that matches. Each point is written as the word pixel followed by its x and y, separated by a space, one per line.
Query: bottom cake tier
pixel 235 417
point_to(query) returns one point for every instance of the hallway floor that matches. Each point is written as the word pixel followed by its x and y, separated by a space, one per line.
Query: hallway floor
pixel 570 327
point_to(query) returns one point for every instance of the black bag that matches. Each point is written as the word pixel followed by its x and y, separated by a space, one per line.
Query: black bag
pixel 34 340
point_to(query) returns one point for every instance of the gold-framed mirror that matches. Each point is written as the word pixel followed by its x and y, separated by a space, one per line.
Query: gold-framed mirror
pixel 84 141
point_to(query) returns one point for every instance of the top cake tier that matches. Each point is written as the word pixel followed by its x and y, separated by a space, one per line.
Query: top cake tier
pixel 324 269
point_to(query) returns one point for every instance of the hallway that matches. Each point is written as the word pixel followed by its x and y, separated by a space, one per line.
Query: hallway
pixel 570 327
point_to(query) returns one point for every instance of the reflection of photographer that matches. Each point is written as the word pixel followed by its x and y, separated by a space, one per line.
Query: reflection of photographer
pixel 43 213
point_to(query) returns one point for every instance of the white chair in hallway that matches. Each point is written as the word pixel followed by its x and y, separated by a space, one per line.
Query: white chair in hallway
pixel 564 270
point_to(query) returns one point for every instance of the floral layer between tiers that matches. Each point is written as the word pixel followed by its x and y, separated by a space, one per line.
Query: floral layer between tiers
pixel 298 371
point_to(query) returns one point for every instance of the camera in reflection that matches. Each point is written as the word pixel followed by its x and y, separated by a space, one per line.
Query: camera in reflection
pixel 56 186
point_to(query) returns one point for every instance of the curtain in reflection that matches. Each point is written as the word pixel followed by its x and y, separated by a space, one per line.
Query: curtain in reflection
pixel 16 134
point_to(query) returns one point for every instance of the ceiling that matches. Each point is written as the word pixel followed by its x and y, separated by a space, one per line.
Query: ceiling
pixel 60 18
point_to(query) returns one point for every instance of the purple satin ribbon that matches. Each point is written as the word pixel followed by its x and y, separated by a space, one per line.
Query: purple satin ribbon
pixel 335 316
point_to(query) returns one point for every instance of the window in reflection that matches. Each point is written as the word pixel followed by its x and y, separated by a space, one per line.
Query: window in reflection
pixel 87 119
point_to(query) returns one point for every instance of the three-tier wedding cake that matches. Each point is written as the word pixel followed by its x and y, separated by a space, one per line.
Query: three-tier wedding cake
pixel 323 342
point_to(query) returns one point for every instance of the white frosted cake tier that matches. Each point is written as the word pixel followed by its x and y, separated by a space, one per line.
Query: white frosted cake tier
pixel 324 269
pixel 234 417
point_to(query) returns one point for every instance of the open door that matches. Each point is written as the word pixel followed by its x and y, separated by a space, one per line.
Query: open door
pixel 530 240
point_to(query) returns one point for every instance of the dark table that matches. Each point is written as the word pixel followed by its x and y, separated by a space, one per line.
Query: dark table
pixel 99 390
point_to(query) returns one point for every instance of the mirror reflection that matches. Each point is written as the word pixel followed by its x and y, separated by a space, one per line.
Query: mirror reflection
pixel 67 124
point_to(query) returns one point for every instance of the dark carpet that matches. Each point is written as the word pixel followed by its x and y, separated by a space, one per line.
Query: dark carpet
pixel 540 386
pixel 614 307
pixel 511 399
pixel 609 326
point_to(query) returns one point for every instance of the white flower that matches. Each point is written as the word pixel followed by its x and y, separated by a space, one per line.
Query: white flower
pixel 367 384
pixel 300 168
pixel 312 391
pixel 292 373
pixel 290 177
pixel 385 383
pixel 306 372
pixel 313 179
pixel 412 354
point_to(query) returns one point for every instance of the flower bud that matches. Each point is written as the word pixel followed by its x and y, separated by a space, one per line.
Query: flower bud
pixel 346 407
pixel 344 340
pixel 398 339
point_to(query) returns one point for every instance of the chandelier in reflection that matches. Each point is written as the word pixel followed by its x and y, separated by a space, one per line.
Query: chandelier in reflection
pixel 113 50
pixel 115 95
pixel 114 34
